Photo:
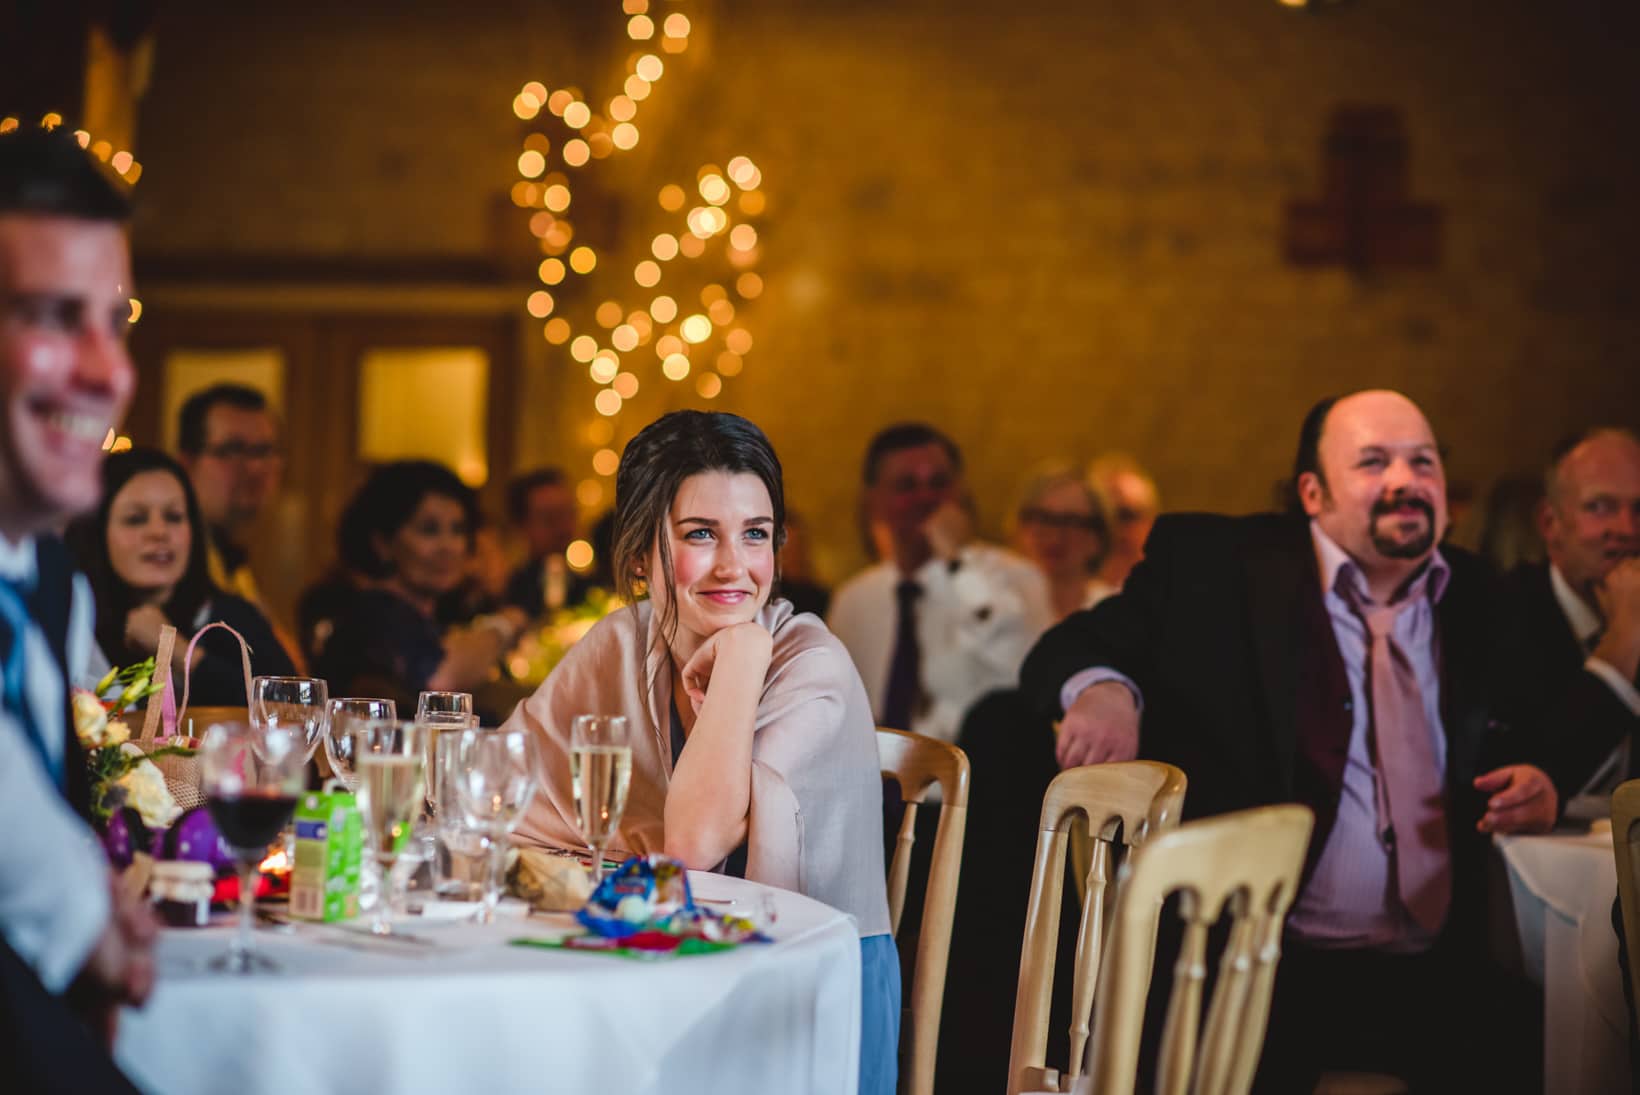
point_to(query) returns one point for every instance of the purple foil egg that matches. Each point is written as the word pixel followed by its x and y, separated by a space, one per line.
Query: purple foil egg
pixel 194 836
pixel 117 840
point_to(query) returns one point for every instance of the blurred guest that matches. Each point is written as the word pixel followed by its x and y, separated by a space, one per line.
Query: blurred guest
pixel 753 750
pixel 483 587
pixel 144 551
pixel 1130 501
pixel 321 605
pixel 942 619
pixel 1349 661
pixel 1580 612
pixel 1058 525
pixel 71 936
pixel 407 533
pixel 542 507
pixel 1510 533
pixel 602 538
pixel 228 441
pixel 797 580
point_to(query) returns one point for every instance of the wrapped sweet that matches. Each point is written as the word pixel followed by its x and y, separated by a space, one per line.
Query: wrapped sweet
pixel 646 893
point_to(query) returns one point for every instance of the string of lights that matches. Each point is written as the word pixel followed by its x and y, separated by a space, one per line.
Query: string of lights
pixel 684 300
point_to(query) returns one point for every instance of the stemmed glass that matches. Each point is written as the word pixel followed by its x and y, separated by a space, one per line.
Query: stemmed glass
pixel 390 760
pixel 344 715
pixel 439 711
pixel 600 766
pixel 494 780
pixel 297 703
pixel 252 776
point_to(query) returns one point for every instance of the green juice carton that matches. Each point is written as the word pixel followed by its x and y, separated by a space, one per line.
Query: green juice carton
pixel 324 882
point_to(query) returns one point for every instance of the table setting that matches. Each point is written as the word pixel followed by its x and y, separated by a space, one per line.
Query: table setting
pixel 411 947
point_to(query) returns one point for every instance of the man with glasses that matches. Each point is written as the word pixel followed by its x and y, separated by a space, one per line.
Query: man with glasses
pixel 229 443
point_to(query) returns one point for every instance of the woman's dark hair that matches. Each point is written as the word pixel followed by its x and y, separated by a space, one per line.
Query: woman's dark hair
pixel 88 540
pixel 387 502
pixel 655 464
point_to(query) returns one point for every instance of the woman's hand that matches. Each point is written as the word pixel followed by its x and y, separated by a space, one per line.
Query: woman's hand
pixel 142 627
pixel 741 649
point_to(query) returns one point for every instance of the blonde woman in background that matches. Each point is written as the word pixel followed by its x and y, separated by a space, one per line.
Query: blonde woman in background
pixel 1059 525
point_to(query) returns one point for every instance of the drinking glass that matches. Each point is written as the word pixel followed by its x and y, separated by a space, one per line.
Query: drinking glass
pixel 390 759
pixel 494 774
pixel 345 713
pixel 462 848
pixel 297 703
pixel 440 711
pixel 252 776
pixel 600 766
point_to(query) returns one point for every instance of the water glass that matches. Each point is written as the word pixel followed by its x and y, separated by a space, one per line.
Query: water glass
pixel 390 759
pixel 494 776
pixel 440 711
pixel 252 776
pixel 345 714
pixel 600 765
pixel 296 703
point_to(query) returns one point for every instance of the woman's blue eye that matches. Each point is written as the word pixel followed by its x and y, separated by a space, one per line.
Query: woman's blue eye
pixel 758 533
pixel 698 534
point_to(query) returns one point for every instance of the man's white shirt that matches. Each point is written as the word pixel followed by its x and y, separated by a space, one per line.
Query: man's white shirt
pixel 975 624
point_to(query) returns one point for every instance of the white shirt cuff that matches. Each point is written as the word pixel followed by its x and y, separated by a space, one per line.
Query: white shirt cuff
pixel 1087 678
pixel 1624 689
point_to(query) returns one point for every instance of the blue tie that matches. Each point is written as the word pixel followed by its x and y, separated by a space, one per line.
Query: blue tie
pixel 14 612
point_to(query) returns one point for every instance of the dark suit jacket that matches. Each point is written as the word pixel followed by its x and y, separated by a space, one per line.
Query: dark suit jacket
pixel 1224 630
pixel 1577 717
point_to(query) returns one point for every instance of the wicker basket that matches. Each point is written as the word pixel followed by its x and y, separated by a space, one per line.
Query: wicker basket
pixel 183 777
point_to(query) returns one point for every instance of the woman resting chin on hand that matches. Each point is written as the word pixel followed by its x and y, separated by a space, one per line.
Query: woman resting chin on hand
pixel 754 749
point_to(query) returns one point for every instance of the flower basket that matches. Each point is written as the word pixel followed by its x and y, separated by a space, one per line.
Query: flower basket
pixel 181 770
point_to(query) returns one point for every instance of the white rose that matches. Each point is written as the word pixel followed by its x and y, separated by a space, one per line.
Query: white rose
pixel 90 720
pixel 146 793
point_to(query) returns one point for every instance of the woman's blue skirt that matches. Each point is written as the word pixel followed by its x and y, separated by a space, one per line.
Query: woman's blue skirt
pixel 879 1015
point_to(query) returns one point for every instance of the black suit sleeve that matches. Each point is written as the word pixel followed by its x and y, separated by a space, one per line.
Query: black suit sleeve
pixel 1577 729
pixel 1122 632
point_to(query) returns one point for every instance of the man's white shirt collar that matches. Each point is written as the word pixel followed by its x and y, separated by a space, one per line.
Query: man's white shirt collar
pixel 17 559
pixel 1585 621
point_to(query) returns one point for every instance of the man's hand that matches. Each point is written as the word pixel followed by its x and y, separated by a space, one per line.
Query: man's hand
pixel 1523 800
pixel 1101 725
pixel 743 648
pixel 1619 596
pixel 947 529
pixel 120 969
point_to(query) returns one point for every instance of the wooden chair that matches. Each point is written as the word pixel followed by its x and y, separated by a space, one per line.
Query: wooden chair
pixel 1143 798
pixel 919 764
pixel 202 717
pixel 1626 845
pixel 1247 862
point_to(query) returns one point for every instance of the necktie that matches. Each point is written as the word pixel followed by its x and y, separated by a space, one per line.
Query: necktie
pixel 14 611
pixel 904 669
pixel 1411 802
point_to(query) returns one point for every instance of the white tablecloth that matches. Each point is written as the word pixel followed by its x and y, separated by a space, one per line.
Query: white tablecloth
pixel 1562 888
pixel 472 1014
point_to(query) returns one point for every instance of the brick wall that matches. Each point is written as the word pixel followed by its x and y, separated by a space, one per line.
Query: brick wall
pixel 1052 228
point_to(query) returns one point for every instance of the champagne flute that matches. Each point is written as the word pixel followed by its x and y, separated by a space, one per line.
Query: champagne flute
pixel 390 759
pixel 252 776
pixel 440 711
pixel 294 702
pixel 344 715
pixel 600 765
pixel 494 781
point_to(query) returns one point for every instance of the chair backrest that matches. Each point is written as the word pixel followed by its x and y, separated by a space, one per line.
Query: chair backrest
pixel 1626 844
pixel 1109 802
pixel 203 717
pixel 1247 862
pixel 919 764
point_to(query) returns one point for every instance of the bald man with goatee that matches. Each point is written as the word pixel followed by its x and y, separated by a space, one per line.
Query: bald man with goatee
pixel 1337 656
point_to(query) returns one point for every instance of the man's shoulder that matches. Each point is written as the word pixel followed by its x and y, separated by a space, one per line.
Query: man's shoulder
pixel 874 581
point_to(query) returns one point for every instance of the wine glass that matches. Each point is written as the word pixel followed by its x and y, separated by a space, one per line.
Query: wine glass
pixel 390 760
pixel 294 702
pixel 457 861
pixel 494 779
pixel 600 765
pixel 343 715
pixel 252 776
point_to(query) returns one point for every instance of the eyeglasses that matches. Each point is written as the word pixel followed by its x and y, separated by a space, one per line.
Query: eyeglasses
pixel 239 451
pixel 1057 519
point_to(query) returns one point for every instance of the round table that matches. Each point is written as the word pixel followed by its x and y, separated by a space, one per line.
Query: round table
pixel 1562 888
pixel 465 1011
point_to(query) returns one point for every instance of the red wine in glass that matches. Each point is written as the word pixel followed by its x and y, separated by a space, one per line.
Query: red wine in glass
pixel 250 820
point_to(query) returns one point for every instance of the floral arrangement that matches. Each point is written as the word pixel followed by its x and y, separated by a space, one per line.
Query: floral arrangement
pixel 122 775
pixel 540 649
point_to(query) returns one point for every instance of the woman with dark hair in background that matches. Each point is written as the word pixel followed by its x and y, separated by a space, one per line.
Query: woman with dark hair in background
pixel 143 551
pixel 752 727
pixel 406 536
